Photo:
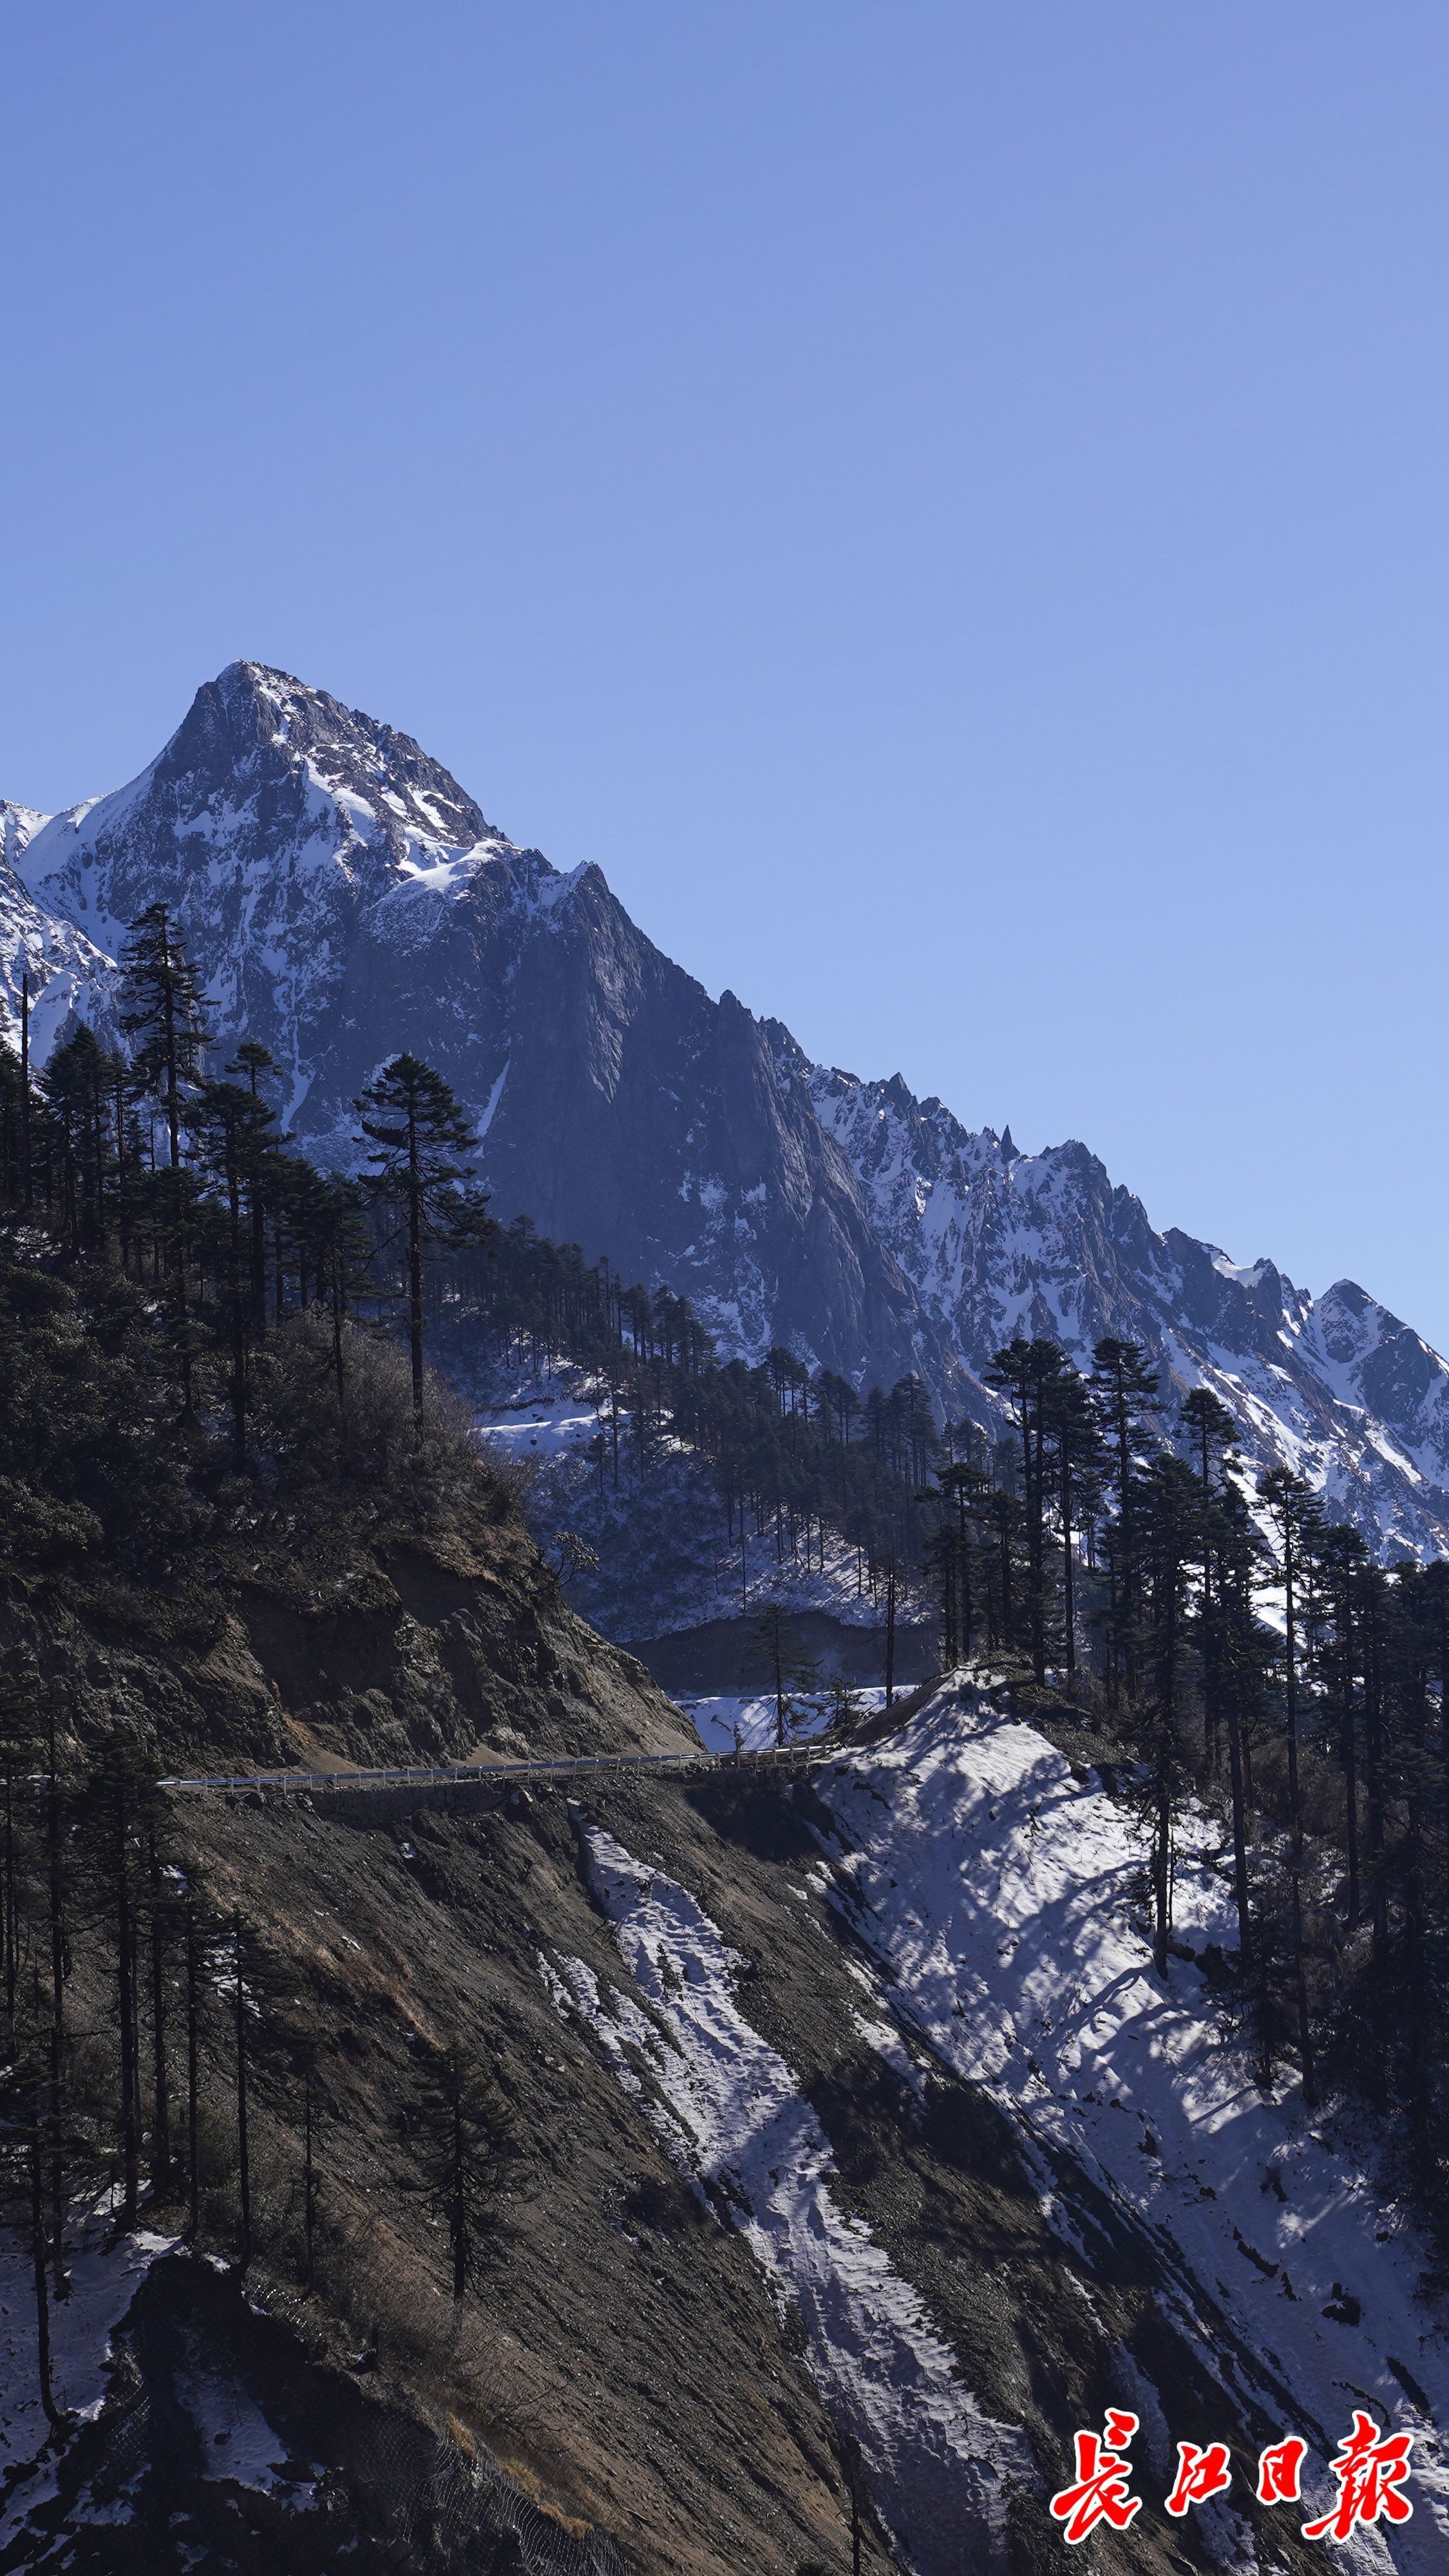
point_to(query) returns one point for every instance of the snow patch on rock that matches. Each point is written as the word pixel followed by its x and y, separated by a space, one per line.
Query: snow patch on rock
pixel 730 2115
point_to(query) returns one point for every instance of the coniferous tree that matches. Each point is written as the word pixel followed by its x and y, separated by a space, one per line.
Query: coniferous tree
pixel 1029 1374
pixel 1211 1434
pixel 56 1888
pixel 122 1812
pixel 161 1929
pixel 1235 1557
pixel 774 1636
pixel 335 1248
pixel 466 2141
pixel 1169 1508
pixel 420 1139
pixel 77 1088
pixel 1073 1428
pixel 248 1983
pixel 19 1749
pixel 24 2140
pixel 199 1932
pixel 1295 1521
pixel 254 1065
pixel 965 1490
pixel 942 1559
pixel 233 1139
pixel 163 1015
pixel 1125 1391
pixel 1337 1554
pixel 1001 1613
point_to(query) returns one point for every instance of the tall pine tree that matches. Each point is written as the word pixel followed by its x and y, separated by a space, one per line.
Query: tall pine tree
pixel 420 1138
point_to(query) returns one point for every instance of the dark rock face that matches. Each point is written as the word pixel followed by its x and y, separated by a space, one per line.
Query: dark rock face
pixel 343 898
pixel 224 2442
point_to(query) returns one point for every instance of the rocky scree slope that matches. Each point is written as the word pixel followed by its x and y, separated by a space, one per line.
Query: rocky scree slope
pixel 657 2363
pixel 344 897
pixel 241 2432
pixel 743 2221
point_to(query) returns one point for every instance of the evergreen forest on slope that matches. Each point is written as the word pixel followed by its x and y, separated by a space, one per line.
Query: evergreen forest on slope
pixel 208 1349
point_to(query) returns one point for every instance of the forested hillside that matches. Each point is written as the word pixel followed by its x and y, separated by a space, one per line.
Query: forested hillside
pixel 245 1524
pixel 323 2234
pixel 190 1291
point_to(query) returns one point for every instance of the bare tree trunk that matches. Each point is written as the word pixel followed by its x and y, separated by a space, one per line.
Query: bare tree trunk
pixel 126 2003
pixel 55 1879
pixel 193 2014
pixel 53 2415
pixel 160 2086
pixel 244 2172
pixel 1295 1800
pixel 309 2185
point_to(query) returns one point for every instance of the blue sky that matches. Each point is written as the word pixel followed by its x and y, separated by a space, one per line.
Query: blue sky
pixel 946 504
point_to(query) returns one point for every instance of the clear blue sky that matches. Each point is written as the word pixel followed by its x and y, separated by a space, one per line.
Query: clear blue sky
pixel 946 503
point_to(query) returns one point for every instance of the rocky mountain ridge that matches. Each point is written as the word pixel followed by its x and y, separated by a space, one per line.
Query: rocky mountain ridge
pixel 343 897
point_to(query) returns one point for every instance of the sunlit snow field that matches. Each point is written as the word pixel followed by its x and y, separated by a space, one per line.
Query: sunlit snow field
pixel 1002 1895
pixel 726 1724
pixel 554 1427
pixel 1000 1891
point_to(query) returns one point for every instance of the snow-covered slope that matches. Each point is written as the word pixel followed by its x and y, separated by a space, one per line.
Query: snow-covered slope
pixel 991 1902
pixel 71 978
pixel 1000 1893
pixel 343 896
pixel 661 1556
pixel 731 2116
pixel 105 2272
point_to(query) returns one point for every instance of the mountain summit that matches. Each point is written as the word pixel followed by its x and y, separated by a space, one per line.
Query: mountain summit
pixel 343 897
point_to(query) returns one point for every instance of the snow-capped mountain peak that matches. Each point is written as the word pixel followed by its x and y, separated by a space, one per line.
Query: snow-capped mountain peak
pixel 271 822
pixel 343 897
pixel 264 778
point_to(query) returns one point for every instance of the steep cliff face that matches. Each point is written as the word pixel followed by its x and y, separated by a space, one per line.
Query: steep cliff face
pixel 343 897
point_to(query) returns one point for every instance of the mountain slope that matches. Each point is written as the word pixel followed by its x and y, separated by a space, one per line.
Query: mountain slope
pixel 344 897
pixel 997 1243
pixel 997 1887
pixel 69 975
